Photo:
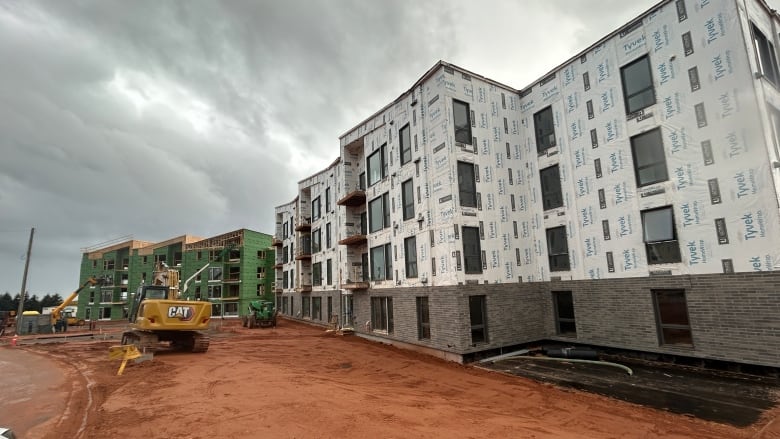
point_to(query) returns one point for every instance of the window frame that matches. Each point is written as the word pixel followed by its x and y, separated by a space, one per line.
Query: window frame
pixel 387 263
pixel 650 87
pixel 410 257
pixel 480 328
pixel 467 184
pixel 423 318
pixel 658 149
pixel 544 130
pixel 383 202
pixel 316 241
pixel 462 132
pixel 215 277
pixel 471 258
pixel 763 47
pixel 563 322
pixel 551 199
pixel 316 209
pixel 407 199
pixel 382 164
pixel 405 144
pixel 316 274
pixel 665 326
pixel 556 258
pixel 670 245
pixel 382 314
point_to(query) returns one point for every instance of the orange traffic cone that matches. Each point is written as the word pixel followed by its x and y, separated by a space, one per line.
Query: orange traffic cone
pixel 13 340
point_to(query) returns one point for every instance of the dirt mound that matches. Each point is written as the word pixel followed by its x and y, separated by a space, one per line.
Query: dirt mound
pixel 300 381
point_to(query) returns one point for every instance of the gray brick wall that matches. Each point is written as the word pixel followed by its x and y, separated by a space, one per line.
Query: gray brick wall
pixel 732 317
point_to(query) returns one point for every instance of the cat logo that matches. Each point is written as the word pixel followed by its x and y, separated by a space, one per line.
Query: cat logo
pixel 183 313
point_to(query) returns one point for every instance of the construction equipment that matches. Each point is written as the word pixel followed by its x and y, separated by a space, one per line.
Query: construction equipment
pixel 7 320
pixel 157 314
pixel 59 319
pixel 261 313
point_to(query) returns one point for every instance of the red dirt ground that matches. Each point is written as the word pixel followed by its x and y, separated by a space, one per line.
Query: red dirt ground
pixel 298 381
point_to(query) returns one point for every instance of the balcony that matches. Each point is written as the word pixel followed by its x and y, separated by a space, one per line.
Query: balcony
pixel 353 199
pixel 358 280
pixel 303 289
pixel 304 225
pixel 303 250
pixel 233 279
pixel 276 242
pixel 349 285
pixel 354 240
pixel 278 266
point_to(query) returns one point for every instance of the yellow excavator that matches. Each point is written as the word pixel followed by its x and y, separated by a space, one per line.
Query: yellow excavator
pixel 59 319
pixel 158 315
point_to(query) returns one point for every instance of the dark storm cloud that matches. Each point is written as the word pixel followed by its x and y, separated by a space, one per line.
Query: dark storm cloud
pixel 160 118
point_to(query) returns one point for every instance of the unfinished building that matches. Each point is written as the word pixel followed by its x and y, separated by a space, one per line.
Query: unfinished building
pixel 626 199
pixel 238 268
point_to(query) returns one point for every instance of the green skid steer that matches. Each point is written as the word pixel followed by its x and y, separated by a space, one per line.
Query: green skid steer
pixel 261 313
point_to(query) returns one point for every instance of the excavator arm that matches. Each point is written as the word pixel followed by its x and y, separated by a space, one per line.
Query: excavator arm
pixel 56 313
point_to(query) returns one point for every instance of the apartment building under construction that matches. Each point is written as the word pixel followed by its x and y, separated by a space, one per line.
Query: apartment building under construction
pixel 239 268
pixel 626 199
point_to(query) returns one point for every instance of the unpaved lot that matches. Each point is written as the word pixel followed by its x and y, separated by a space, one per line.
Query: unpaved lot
pixel 298 381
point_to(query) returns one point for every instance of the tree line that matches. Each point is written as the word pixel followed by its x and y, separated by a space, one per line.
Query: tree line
pixel 11 303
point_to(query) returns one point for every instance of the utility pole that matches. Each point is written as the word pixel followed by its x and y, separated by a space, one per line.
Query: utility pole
pixel 24 284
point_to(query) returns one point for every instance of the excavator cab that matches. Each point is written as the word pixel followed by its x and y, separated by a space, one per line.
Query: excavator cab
pixel 157 315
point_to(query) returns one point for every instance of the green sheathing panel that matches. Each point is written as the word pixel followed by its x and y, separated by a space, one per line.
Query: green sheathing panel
pixel 246 275
pixel 109 300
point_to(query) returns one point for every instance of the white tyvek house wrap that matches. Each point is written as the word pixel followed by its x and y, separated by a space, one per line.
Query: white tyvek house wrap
pixel 746 201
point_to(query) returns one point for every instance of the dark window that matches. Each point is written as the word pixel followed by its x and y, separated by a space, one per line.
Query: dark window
pixel 671 311
pixel 316 273
pixel 467 185
pixel 545 130
pixel 638 88
pixel 472 251
pixel 316 241
pixel 462 117
pixel 647 150
pixel 315 209
pixel 660 236
pixel 329 272
pixel 316 308
pixel 364 268
pixel 379 213
pixel 558 249
pixel 407 199
pixel 406 144
pixel 423 319
pixel 381 262
pixel 327 236
pixel 382 314
pixel 327 199
pixel 478 314
pixel 552 196
pixel 286 280
pixel 306 306
pixel 765 55
pixel 377 166
pixel 564 313
pixel 410 255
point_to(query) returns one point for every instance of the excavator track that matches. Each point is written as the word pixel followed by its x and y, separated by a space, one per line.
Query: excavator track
pixel 200 342
pixel 146 343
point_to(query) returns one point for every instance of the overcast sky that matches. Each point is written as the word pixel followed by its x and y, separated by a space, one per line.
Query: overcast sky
pixel 158 118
